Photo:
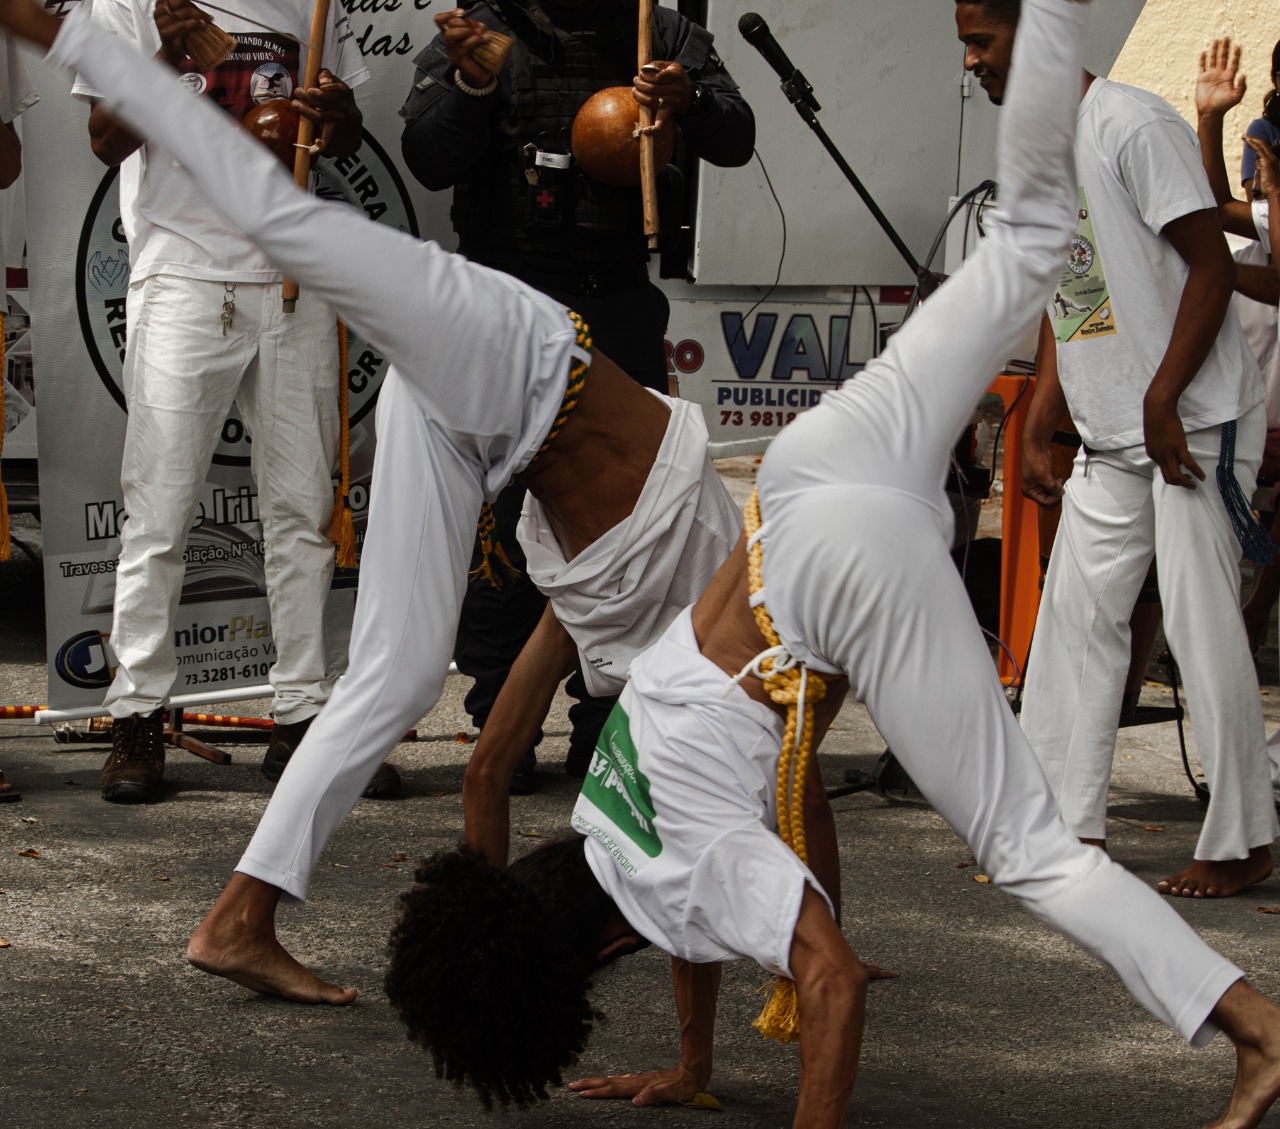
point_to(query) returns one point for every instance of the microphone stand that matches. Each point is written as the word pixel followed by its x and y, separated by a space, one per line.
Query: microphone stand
pixel 799 93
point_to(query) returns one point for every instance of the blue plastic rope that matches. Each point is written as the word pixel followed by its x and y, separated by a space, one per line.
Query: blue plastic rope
pixel 1254 539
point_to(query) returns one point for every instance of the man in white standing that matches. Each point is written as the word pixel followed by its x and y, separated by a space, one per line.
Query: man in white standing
pixel 1149 357
pixel 206 327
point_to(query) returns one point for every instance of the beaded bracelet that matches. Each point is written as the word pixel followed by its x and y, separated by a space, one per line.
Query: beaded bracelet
pixel 475 91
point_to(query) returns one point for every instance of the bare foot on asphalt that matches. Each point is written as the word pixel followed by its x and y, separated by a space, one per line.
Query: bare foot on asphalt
pixel 1203 879
pixel 1253 1024
pixel 264 967
pixel 237 940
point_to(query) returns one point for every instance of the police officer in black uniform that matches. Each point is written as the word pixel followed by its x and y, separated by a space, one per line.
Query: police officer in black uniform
pixel 521 205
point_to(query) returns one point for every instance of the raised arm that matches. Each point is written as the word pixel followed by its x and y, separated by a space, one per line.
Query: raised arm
pixel 1220 88
pixel 512 726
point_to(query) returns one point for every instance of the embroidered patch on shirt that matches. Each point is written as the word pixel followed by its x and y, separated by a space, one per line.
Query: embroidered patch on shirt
pixel 1082 305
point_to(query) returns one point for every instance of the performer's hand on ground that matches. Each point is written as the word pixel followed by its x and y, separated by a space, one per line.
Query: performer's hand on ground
pixel 668 94
pixel 1268 174
pixel 1219 87
pixel 461 37
pixel 657 1087
pixel 1039 483
pixel 175 20
pixel 332 107
pixel 1166 443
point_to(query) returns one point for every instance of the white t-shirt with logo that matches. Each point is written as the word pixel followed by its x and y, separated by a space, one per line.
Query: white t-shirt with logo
pixel 169 222
pixel 1114 308
pixel 679 810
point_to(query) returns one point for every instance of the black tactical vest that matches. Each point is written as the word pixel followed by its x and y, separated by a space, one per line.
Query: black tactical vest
pixel 512 205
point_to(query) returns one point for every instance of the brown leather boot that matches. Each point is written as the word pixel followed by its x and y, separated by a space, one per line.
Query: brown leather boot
pixel 134 771
pixel 286 738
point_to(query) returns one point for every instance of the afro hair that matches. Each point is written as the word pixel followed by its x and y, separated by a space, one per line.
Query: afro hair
pixel 490 969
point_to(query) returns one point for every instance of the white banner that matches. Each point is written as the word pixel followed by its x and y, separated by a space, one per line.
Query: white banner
pixel 79 274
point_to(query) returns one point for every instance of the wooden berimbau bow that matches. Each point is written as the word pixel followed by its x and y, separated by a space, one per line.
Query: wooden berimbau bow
pixel 305 151
pixel 648 173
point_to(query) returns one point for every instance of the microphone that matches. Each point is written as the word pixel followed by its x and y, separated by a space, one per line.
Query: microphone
pixel 756 32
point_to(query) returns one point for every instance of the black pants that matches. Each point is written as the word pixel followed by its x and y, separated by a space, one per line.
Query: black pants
pixel 628 324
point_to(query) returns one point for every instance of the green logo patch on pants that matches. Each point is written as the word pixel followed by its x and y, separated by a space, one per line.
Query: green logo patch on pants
pixel 617 787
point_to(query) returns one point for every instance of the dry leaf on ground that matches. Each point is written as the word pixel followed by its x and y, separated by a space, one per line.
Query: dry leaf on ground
pixel 704 1101
pixel 29 853
pixel 981 878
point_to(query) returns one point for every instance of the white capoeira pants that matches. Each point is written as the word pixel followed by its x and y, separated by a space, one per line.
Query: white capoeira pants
pixel 479 364
pixel 859 580
pixel 1118 512
pixel 181 373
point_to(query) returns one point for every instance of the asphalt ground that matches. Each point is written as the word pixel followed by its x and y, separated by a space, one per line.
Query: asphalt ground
pixel 995 1021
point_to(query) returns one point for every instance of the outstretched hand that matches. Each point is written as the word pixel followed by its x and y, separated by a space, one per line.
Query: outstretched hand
pixel 1219 86
pixel 657 1087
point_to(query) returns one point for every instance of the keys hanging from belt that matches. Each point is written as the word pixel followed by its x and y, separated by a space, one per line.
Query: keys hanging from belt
pixel 228 305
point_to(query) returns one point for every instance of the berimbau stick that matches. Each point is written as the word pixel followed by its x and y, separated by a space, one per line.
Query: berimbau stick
pixel 648 176
pixel 306 127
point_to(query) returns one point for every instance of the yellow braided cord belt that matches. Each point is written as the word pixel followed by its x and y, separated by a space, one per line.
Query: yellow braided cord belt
pixel 789 684
pixel 492 553
pixel 4 498
pixel 342 530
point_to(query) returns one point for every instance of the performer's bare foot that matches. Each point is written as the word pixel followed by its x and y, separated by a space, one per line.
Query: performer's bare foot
pixel 237 940
pixel 1252 1023
pixel 1205 879
pixel 1099 843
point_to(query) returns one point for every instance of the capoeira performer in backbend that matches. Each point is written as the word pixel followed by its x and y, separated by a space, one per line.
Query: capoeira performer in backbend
pixel 851 578
pixel 491 381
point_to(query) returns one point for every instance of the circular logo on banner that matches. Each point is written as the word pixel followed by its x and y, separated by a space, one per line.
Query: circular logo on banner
pixel 367 180
pixel 271 80
pixel 82 661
